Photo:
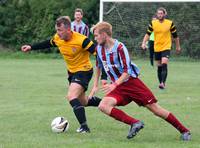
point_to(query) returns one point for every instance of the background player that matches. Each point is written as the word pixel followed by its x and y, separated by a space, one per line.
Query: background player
pixel 163 29
pixel 78 25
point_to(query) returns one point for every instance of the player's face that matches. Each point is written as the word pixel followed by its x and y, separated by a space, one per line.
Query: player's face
pixel 63 33
pixel 160 15
pixel 78 16
pixel 100 38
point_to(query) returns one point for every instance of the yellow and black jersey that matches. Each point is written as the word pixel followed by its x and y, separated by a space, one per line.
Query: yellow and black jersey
pixel 162 34
pixel 76 52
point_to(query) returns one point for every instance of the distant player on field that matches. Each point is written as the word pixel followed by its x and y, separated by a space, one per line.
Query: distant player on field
pixel 78 25
pixel 113 57
pixel 163 29
pixel 75 49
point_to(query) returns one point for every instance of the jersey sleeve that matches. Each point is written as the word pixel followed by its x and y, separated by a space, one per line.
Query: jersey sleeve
pixel 43 45
pixel 150 28
pixel 89 46
pixel 173 30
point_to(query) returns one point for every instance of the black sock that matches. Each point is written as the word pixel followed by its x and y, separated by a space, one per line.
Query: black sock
pixel 94 101
pixel 164 72
pixel 159 73
pixel 79 111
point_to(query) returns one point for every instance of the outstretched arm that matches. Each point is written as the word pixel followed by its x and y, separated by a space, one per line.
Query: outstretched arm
pixel 95 83
pixel 41 45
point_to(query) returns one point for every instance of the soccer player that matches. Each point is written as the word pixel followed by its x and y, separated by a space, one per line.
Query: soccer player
pixel 78 25
pixel 163 29
pixel 151 45
pixel 113 57
pixel 75 49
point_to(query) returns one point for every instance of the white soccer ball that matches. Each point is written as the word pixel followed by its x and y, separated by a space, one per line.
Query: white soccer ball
pixel 59 125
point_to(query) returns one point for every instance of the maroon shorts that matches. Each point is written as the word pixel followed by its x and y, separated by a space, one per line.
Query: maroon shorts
pixel 132 90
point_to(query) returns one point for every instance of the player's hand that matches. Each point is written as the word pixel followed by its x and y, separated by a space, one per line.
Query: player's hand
pixel 103 82
pixel 178 50
pixel 26 48
pixel 108 88
pixel 143 46
pixel 93 91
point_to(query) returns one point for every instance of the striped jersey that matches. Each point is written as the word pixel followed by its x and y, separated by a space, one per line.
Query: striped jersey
pixel 116 61
pixel 81 28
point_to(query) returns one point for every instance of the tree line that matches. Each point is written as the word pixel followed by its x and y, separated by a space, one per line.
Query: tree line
pixel 29 21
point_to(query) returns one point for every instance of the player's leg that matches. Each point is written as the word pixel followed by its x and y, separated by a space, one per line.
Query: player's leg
pixel 85 78
pixel 151 51
pixel 170 118
pixel 108 106
pixel 164 61
pixel 159 68
pixel 86 101
pixel 74 92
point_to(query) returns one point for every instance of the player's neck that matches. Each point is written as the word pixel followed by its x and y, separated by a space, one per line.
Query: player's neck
pixel 161 20
pixel 109 44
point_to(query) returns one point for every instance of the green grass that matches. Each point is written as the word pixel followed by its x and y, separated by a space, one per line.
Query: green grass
pixel 32 93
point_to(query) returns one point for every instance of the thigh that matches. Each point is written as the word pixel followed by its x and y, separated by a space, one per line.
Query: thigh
pixel 158 56
pixel 75 90
pixel 120 95
pixel 165 56
pixel 139 92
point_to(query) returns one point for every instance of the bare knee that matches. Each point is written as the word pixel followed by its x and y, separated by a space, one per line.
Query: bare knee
pixel 102 107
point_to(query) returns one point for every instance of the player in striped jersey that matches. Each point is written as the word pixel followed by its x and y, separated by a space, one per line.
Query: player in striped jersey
pixel 163 29
pixel 76 50
pixel 78 25
pixel 125 87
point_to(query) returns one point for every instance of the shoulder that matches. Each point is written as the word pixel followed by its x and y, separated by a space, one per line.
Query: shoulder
pixel 168 21
pixel 120 45
pixel 56 37
pixel 79 36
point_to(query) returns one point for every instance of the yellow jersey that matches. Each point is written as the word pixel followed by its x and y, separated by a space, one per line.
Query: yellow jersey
pixel 162 34
pixel 76 51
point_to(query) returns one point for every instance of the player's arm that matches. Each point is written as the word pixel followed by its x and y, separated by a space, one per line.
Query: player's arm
pixel 147 35
pixel 176 38
pixel 88 45
pixel 96 77
pixel 42 45
pixel 124 59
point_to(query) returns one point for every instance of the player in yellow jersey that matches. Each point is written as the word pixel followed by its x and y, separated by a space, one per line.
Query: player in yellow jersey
pixel 75 49
pixel 163 29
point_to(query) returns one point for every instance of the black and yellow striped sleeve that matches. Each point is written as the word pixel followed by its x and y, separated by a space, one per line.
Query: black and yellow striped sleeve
pixel 173 30
pixel 150 29
pixel 88 45
pixel 43 45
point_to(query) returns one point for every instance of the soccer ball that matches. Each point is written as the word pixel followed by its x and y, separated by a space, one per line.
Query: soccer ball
pixel 59 125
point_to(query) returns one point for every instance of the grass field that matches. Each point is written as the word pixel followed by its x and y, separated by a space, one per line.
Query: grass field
pixel 32 93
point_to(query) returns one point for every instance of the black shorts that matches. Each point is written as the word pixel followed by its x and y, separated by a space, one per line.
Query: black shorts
pixel 160 55
pixel 81 77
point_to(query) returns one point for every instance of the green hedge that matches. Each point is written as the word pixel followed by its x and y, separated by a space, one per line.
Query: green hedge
pixel 28 21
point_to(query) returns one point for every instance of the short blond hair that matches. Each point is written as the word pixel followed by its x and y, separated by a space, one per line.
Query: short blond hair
pixel 103 27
